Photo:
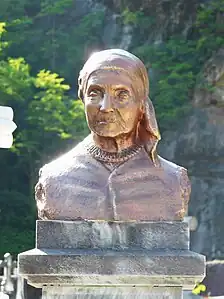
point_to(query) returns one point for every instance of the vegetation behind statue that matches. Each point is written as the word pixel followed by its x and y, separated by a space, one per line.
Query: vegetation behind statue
pixel 60 48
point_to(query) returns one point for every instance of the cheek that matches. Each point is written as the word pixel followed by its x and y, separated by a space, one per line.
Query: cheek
pixel 130 113
pixel 90 108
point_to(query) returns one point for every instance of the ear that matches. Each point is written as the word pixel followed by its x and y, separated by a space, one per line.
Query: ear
pixel 80 94
pixel 80 90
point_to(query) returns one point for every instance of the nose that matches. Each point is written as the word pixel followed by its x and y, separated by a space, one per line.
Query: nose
pixel 107 103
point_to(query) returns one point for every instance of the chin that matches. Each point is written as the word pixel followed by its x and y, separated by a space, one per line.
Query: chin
pixel 106 131
pixel 107 134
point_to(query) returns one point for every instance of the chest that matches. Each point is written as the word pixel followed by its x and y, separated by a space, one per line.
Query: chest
pixel 134 190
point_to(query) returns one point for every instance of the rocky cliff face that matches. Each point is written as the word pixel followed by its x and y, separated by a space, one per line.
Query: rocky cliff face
pixel 168 16
pixel 198 141
pixel 198 144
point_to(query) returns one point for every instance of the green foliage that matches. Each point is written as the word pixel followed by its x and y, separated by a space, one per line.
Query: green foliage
pixel 16 210
pixel 54 35
pixel 3 45
pixel 130 17
pixel 198 289
pixel 85 38
pixel 48 118
pixel 14 79
pixel 55 7
pixel 17 222
pixel 16 241
pixel 211 27
pixel 46 38
pixel 174 64
pixel 177 63
pixel 138 19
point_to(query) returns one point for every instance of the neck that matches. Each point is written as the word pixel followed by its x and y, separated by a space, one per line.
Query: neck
pixel 115 144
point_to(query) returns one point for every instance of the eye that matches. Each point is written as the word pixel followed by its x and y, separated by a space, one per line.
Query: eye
pixel 123 94
pixel 95 93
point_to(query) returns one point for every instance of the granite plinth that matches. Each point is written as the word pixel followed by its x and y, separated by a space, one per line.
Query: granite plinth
pixel 101 257
pixel 108 293
pixel 112 235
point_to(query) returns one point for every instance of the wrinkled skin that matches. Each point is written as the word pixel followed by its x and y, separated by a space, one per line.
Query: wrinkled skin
pixel 111 105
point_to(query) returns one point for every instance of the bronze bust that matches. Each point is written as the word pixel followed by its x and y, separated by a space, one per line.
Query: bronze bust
pixel 114 173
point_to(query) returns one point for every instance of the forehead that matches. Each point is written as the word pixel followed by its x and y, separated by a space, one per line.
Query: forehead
pixel 110 77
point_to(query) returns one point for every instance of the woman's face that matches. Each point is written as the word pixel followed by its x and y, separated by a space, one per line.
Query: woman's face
pixel 111 105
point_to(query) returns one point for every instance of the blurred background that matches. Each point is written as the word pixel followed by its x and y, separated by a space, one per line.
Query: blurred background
pixel 43 45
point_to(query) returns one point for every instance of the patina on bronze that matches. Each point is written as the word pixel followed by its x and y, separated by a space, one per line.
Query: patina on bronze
pixel 115 173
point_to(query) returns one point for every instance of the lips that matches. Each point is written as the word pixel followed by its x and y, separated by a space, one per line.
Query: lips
pixel 105 120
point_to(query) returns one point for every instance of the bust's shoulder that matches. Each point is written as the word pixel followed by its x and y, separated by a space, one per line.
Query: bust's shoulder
pixel 169 166
pixel 180 173
pixel 66 162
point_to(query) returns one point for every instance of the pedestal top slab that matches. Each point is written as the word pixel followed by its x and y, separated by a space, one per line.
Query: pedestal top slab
pixel 106 267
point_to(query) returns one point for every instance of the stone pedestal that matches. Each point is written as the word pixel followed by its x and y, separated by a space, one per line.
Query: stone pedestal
pixel 97 259
pixel 112 292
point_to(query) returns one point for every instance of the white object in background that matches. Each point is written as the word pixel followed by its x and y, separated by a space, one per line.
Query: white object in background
pixel 192 221
pixel 7 127
pixel 3 296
